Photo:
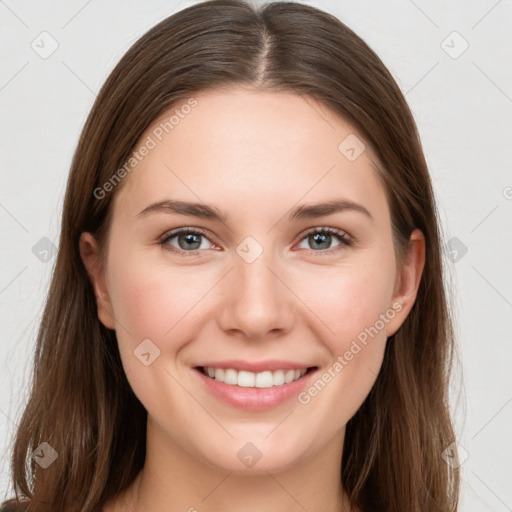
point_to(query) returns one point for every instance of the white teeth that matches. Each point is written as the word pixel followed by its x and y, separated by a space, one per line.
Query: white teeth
pixel 264 380
pixel 289 376
pixel 230 377
pixel 278 377
pixel 246 379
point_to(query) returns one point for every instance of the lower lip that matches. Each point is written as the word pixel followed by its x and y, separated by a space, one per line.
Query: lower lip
pixel 254 399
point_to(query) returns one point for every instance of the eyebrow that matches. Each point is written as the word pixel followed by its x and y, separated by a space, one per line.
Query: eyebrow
pixel 313 211
pixel 202 210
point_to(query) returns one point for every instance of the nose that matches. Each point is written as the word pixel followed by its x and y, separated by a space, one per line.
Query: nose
pixel 256 301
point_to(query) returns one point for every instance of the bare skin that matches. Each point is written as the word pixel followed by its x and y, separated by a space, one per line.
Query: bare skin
pixel 256 156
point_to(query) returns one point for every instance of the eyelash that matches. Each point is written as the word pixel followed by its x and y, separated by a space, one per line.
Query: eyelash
pixel 344 239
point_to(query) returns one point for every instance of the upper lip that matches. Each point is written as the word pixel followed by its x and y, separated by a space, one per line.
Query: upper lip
pixel 256 366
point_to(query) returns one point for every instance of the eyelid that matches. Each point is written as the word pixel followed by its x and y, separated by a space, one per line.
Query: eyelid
pixel 162 240
pixel 344 238
pixel 325 229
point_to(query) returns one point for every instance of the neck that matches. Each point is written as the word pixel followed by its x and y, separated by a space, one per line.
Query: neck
pixel 174 480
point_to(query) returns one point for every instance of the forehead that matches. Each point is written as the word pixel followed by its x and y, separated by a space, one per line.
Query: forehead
pixel 251 148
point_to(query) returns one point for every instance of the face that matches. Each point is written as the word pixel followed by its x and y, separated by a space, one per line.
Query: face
pixel 285 304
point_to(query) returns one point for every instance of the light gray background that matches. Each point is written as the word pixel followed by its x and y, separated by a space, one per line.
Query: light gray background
pixel 463 107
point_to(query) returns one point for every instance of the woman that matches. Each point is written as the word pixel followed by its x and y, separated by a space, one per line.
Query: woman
pixel 247 308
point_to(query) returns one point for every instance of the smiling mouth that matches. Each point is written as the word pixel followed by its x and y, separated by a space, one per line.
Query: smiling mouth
pixel 246 379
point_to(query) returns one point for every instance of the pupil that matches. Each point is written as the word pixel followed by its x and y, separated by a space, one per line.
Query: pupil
pixel 189 238
pixel 325 238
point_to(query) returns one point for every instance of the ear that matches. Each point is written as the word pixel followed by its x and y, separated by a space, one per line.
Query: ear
pixel 90 254
pixel 408 281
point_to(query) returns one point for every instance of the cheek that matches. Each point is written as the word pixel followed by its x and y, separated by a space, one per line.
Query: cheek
pixel 142 304
pixel 156 303
pixel 152 300
pixel 355 307
pixel 349 300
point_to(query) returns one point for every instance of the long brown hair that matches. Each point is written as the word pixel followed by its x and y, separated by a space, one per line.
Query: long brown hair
pixel 81 402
